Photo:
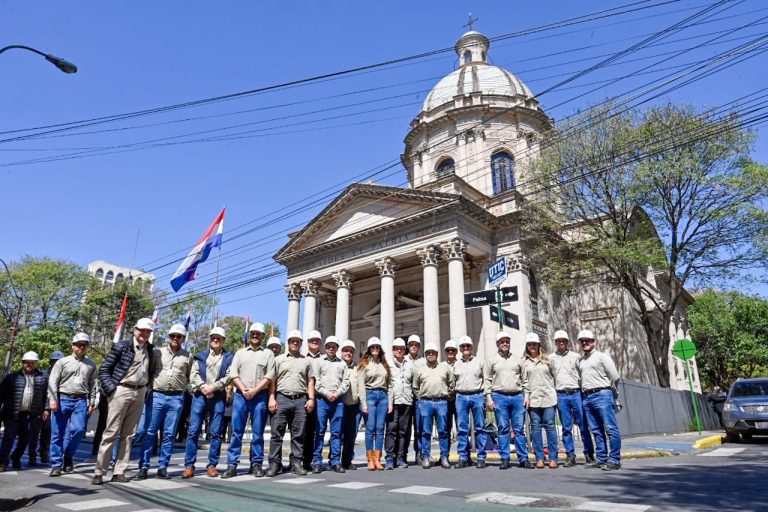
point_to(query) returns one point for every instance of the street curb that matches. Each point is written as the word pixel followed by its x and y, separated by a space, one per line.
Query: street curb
pixel 708 442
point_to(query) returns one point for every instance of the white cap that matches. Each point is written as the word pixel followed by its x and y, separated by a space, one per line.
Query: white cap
pixel 560 335
pixel 532 337
pixel 586 334
pixel 220 331
pixel 274 340
pixel 315 335
pixel 430 346
pixel 502 334
pixel 348 344
pixel 331 339
pixel 451 344
pixel 30 356
pixel 465 340
pixel 414 338
pixel 178 329
pixel 373 340
pixel 81 336
pixel 257 326
pixel 399 342
pixel 294 334
pixel 145 323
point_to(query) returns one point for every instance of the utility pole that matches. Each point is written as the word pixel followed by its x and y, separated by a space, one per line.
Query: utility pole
pixel 15 328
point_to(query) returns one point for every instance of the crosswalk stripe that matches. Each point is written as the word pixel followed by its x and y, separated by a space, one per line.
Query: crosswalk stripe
pixel 423 490
pixel 722 452
pixel 501 498
pixel 607 506
pixel 9 473
pixel 239 478
pixel 159 484
pixel 299 481
pixel 91 504
pixel 354 485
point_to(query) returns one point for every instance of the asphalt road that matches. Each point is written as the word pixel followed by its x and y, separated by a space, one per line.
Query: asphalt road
pixel 730 477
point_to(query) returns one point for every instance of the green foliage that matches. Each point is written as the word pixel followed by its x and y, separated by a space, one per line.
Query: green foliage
pixel 730 330
pixel 44 341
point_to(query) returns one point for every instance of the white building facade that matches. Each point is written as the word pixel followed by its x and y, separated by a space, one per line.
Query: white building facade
pixel 110 274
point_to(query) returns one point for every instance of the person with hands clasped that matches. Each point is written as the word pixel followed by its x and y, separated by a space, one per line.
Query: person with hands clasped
pixel 374 383
pixel 332 385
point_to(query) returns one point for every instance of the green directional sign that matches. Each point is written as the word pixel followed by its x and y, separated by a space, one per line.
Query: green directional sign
pixel 684 349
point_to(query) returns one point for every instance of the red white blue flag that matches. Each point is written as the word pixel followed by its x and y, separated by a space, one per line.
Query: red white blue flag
pixel 200 252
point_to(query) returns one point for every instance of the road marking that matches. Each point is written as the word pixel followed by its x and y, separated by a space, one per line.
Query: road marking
pixel 607 506
pixel 76 475
pixel 722 452
pixel 354 485
pixel 239 478
pixel 11 473
pixel 159 484
pixel 91 504
pixel 299 481
pixel 501 498
pixel 423 490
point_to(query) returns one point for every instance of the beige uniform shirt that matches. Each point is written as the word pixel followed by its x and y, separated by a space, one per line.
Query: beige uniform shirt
pixel 138 373
pixel 541 382
pixel 75 377
pixel 212 367
pixel 434 382
pixel 469 375
pixel 332 375
pixel 566 370
pixel 293 373
pixel 402 381
pixel 315 360
pixel 503 374
pixel 170 372
pixel 351 397
pixel 597 371
pixel 373 376
pixel 252 365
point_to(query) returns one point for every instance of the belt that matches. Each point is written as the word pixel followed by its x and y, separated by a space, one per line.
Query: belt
pixel 436 399
pixel 567 391
pixel 169 393
pixel 508 393
pixel 469 392
pixel 377 389
pixel 131 386
pixel 595 390
pixel 73 395
pixel 294 396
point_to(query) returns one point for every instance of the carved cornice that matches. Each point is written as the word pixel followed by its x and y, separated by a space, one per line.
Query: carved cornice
pixel 429 255
pixel 293 290
pixel 343 279
pixel 386 267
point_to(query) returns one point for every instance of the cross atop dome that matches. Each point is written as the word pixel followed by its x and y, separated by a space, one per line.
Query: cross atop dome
pixel 471 22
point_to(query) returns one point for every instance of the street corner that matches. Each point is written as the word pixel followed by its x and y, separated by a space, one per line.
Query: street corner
pixel 708 442
pixel 647 454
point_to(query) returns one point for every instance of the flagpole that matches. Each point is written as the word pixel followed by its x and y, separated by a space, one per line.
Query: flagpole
pixel 216 280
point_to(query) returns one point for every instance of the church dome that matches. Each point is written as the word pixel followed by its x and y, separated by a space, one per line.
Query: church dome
pixel 474 75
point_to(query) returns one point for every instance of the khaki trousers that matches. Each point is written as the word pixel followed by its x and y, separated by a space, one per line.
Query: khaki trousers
pixel 125 407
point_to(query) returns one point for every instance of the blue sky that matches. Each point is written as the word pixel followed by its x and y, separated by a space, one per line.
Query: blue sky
pixel 164 176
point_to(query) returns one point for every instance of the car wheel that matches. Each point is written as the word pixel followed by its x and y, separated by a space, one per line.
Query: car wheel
pixel 731 437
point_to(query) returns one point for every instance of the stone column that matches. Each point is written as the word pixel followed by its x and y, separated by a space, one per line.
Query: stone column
pixel 454 252
pixel 343 289
pixel 293 290
pixel 386 267
pixel 309 287
pixel 430 256
pixel 327 314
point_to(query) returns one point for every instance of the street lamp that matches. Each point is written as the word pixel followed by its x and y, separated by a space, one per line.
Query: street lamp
pixel 15 329
pixel 60 63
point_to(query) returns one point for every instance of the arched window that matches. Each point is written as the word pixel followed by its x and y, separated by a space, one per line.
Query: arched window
pixel 110 277
pixel 119 278
pixel 100 274
pixel 467 57
pixel 502 172
pixel 445 168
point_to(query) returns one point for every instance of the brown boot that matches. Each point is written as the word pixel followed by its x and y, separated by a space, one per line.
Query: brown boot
pixel 377 460
pixel 371 466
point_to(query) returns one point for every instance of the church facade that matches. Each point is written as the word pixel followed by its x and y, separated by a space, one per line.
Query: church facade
pixel 390 262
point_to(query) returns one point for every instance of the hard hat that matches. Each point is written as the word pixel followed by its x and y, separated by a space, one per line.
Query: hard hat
pixel 30 356
pixel 451 344
pixel 586 335
pixel 414 338
pixel 294 334
pixel 55 356
pixel 465 340
pixel 561 335
pixel 220 331
pixel 374 341
pixel 145 323
pixel 349 344
pixel 274 340
pixel 501 335
pixel 331 339
pixel 532 337
pixel 399 342
pixel 430 346
pixel 81 336
pixel 178 329
pixel 314 335
pixel 257 326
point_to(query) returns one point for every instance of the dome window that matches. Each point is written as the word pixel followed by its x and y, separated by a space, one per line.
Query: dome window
pixel 446 167
pixel 502 172
pixel 467 57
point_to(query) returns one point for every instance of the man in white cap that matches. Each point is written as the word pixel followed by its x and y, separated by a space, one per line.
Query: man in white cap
pixel 416 360
pixel 252 371
pixel 451 349
pixel 505 385
pixel 599 378
pixel 44 441
pixel 314 341
pixel 208 379
pixel 570 407
pixel 170 377
pixel 125 378
pixel 350 423
pixel 399 422
pixel 332 383
pixel 72 398
pixel 433 383
pixel 22 401
pixel 469 399
pixel 275 346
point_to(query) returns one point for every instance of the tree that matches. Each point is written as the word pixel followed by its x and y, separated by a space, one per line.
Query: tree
pixel 730 330
pixel 669 194
pixel 200 307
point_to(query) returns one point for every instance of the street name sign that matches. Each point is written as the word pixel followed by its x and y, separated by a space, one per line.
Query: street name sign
pixel 487 297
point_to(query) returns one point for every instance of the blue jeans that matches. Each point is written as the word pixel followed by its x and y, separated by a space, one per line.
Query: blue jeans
pixel 165 413
pixel 257 409
pixel 438 410
pixel 67 428
pixel 601 416
pixel 511 409
pixel 332 412
pixel 350 424
pixel 200 407
pixel 544 417
pixel 476 405
pixel 375 419
pixel 571 410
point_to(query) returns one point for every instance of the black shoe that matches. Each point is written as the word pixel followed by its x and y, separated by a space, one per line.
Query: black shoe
pixel 504 464
pixel 142 474
pixel 470 462
pixel 480 464
pixel 445 464
pixel 316 469
pixel 349 467
pixel 425 463
pixel 589 461
pixel 45 460
pixel 611 467
pixel 32 462
pixel 97 480
pixel 298 469
pixel 337 469
pixel 163 473
pixel 230 472
pixel 69 466
pixel 55 471
pixel 526 464
pixel 3 468
pixel 418 459
pixel 257 470
pixel 16 463
pixel 462 464
pixel 275 469
pixel 570 462
pixel 119 479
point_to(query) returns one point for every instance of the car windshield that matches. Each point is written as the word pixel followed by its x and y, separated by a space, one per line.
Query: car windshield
pixel 750 389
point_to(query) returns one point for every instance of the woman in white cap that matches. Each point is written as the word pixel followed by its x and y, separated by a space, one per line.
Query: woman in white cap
pixel 541 399
pixel 374 383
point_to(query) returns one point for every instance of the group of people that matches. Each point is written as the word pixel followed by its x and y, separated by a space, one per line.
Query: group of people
pixel 401 397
